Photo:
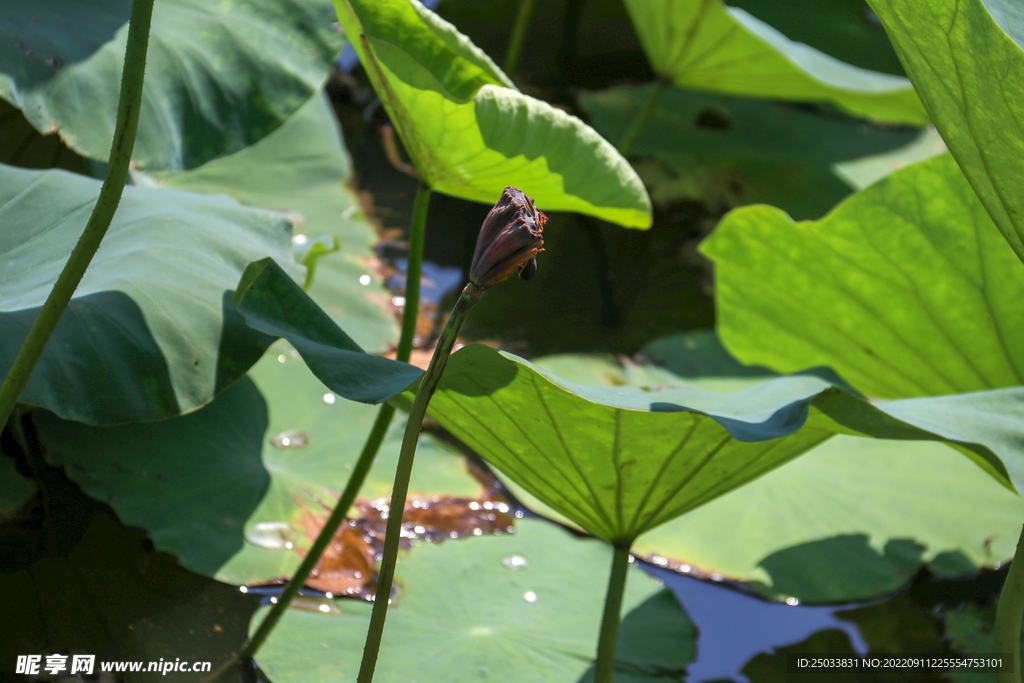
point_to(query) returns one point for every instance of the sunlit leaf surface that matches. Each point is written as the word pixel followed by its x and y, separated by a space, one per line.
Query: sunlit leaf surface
pixel 966 60
pixel 906 289
pixel 621 461
pixel 151 331
pixel 708 46
pixel 470 133
pixel 301 170
pixel 210 88
pixel 837 524
pixel 523 607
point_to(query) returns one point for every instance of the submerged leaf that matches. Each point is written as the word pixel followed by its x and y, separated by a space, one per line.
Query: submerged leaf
pixel 470 133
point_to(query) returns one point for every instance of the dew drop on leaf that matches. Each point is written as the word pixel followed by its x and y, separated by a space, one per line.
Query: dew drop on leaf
pixel 293 438
pixel 273 535
pixel 515 562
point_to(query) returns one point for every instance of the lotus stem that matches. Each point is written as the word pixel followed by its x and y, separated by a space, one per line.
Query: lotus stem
pixel 470 295
pixel 1009 612
pixel 639 122
pixel 515 45
pixel 605 665
pixel 417 238
pixel 125 128
pixel 413 272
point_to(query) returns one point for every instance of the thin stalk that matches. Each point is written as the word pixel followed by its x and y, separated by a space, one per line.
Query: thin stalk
pixel 470 295
pixel 413 271
pixel 125 128
pixel 515 44
pixel 605 666
pixel 1009 613
pixel 639 122
pixel 417 238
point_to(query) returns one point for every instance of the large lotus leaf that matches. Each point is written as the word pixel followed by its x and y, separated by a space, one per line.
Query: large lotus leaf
pixel 271 449
pixel 521 607
pixel 708 46
pixel 274 304
pixel 905 289
pixel 966 59
pixel 151 331
pixel 727 151
pixel 837 524
pixel 467 129
pixel 219 76
pixel 301 169
pixel 77 581
pixel 619 462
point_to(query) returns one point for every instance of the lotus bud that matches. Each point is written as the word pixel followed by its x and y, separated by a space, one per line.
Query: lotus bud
pixel 510 238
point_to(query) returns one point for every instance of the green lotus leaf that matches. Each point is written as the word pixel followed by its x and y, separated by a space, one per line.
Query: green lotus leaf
pixel 966 60
pixel 728 151
pixel 835 525
pixel 273 303
pixel 708 46
pixel 301 170
pixel 211 90
pixel 620 461
pixel 905 289
pixel 470 133
pixel 494 607
pixel 151 331
pixel 271 449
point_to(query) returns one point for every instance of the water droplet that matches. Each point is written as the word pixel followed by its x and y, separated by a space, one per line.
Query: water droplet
pixel 530 596
pixel 478 531
pixel 364 279
pixel 515 562
pixel 243 589
pixel 685 569
pixel 282 358
pixel 325 608
pixel 299 240
pixel 273 600
pixel 329 399
pixel 398 300
pixel 331 595
pixel 792 601
pixel 473 505
pixel 293 438
pixel 273 535
pixel 717 577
